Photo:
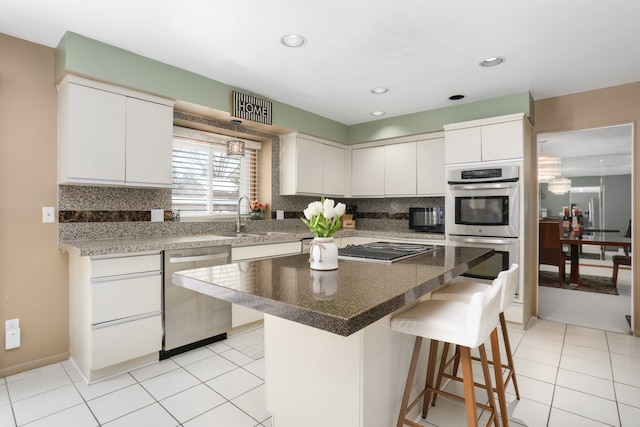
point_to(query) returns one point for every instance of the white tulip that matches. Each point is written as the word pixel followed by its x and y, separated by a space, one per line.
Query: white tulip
pixel 339 209
pixel 327 208
pixel 315 208
pixel 307 213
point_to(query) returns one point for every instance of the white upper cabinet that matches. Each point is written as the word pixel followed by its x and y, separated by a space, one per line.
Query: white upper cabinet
pixel 430 167
pixel 367 171
pixel 112 136
pixel 498 138
pixel 400 169
pixel 148 143
pixel 311 166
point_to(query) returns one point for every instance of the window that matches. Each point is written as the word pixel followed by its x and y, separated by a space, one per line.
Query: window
pixel 206 182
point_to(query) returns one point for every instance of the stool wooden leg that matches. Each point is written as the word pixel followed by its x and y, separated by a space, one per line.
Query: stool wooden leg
pixel 404 407
pixel 431 368
pixel 443 365
pixel 469 392
pixel 507 346
pixel 497 368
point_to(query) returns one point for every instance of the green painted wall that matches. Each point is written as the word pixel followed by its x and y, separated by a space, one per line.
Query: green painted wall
pixel 434 120
pixel 81 55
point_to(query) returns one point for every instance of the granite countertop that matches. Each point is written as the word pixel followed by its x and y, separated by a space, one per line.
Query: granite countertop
pixel 342 301
pixel 119 246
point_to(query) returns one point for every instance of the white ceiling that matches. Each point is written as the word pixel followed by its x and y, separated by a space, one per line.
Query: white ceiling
pixel 591 152
pixel 423 50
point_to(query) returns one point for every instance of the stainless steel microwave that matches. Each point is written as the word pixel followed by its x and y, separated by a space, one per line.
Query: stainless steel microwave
pixel 430 220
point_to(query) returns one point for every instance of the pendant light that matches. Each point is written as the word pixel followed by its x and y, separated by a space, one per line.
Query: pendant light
pixel 235 147
pixel 559 185
pixel 549 166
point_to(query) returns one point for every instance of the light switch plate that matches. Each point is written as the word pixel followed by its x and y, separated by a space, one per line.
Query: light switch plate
pixel 48 214
pixel 157 215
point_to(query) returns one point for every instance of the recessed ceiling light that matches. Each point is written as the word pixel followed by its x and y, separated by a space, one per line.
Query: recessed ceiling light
pixel 378 113
pixel 491 62
pixel 293 40
pixel 380 90
pixel 456 97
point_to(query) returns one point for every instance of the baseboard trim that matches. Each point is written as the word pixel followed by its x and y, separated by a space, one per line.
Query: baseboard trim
pixel 33 364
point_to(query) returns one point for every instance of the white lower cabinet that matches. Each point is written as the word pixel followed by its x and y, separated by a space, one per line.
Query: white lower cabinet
pixel 115 312
pixel 241 316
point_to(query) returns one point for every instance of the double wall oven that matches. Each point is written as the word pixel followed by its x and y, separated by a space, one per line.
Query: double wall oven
pixel 482 208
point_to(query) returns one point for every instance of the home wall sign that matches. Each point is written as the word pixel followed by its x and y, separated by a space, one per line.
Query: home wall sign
pixel 249 107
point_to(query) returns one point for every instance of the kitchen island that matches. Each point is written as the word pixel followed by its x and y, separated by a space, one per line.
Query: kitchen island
pixel 331 358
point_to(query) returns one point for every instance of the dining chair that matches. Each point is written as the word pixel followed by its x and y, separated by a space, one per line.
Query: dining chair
pixel 619 260
pixel 550 248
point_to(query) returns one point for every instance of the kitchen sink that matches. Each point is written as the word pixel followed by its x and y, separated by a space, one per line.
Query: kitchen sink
pixel 240 235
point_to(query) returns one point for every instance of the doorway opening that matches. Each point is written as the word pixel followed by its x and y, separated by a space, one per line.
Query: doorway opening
pixel 592 190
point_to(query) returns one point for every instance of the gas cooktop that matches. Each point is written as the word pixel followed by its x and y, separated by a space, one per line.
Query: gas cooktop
pixel 383 252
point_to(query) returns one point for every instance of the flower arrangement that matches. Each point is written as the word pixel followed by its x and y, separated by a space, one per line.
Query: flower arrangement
pixel 257 206
pixel 323 217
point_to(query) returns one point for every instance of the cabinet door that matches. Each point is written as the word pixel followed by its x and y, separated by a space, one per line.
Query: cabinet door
pixel 367 171
pixel 333 171
pixel 463 145
pixel 502 141
pixel 310 167
pixel 400 169
pixel 95 135
pixel 148 144
pixel 430 167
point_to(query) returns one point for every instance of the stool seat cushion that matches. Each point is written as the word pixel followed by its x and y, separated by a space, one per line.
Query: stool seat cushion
pixel 468 325
pixel 461 289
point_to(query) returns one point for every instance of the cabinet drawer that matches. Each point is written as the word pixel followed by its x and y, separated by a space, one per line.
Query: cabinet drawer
pixel 266 251
pixel 116 299
pixel 125 341
pixel 102 267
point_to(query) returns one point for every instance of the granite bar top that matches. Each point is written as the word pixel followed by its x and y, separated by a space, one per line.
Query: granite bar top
pixel 119 246
pixel 342 301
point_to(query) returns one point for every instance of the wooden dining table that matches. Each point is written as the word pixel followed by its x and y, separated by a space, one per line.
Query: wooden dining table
pixel 598 239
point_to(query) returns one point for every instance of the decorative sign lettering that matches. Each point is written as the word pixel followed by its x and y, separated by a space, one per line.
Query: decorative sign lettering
pixel 249 107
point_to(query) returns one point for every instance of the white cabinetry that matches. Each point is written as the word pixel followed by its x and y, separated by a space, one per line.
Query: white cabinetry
pixel 112 136
pixel 311 166
pixel 367 172
pixel 408 166
pixel 115 312
pixel 400 169
pixel 240 315
pixel 430 176
pixel 497 138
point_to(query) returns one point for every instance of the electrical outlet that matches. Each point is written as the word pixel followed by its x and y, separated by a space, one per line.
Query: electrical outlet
pixel 157 215
pixel 12 339
pixel 12 324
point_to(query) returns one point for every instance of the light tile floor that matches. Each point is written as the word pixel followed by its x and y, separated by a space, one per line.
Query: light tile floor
pixel 567 375
pixel 218 385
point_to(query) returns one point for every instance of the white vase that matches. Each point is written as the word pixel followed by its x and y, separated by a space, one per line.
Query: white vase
pixel 323 254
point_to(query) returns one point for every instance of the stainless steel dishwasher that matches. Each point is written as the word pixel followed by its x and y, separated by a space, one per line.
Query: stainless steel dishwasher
pixel 191 319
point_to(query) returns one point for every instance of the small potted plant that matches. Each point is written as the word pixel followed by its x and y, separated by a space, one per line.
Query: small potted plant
pixel 257 209
pixel 323 220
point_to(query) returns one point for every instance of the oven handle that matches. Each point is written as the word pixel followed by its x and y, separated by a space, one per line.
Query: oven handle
pixel 491 240
pixel 484 186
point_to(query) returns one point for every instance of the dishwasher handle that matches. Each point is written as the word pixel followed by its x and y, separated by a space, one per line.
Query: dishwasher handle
pixel 177 259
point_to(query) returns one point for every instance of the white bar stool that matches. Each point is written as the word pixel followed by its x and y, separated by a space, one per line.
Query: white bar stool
pixel 462 291
pixel 466 325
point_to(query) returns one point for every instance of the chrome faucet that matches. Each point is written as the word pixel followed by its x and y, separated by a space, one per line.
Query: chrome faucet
pixel 238 226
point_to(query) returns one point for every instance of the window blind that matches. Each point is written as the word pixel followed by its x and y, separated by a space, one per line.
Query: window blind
pixel 207 182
